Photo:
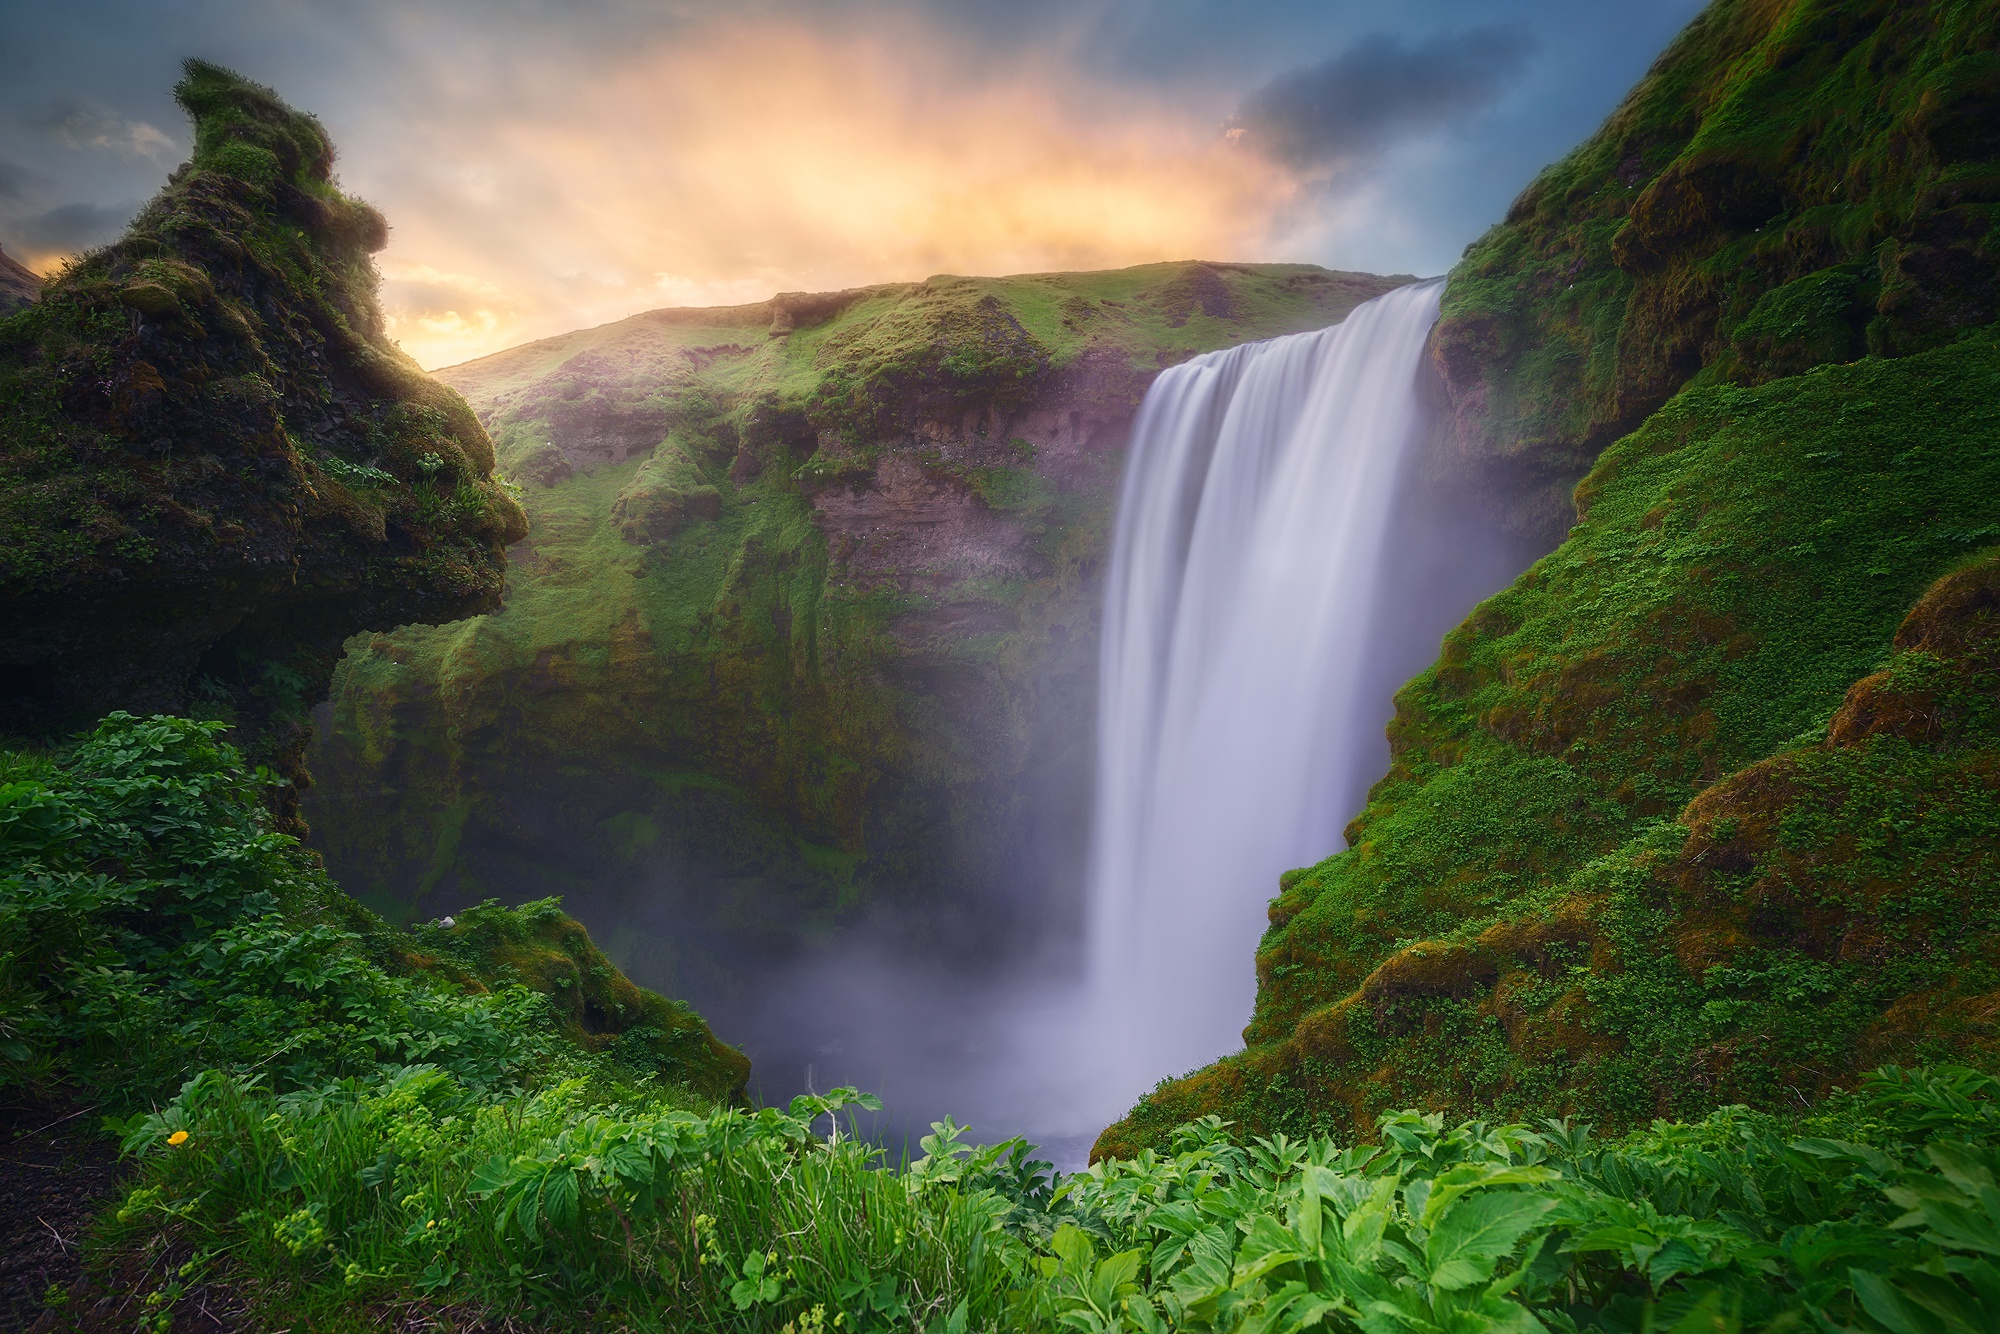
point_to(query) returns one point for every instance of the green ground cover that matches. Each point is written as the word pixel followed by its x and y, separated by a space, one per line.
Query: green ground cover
pixel 345 1126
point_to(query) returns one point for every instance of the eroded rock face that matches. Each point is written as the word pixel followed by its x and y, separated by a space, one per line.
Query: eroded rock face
pixel 214 466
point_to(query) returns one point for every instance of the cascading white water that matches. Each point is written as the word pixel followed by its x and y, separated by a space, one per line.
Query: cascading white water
pixel 1249 547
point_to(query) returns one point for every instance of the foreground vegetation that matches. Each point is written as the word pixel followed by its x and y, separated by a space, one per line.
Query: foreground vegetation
pixel 348 1126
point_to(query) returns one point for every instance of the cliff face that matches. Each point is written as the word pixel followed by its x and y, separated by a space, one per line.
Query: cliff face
pixel 1704 808
pixel 1792 184
pixel 805 621
pixel 214 467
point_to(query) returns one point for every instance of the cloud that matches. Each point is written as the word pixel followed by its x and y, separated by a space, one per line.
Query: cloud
pixel 15 182
pixel 74 123
pixel 66 229
pixel 761 155
pixel 1354 106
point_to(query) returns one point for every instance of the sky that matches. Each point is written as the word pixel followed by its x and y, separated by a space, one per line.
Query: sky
pixel 548 165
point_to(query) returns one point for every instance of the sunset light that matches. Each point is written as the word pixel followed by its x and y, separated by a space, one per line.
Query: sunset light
pixel 767 158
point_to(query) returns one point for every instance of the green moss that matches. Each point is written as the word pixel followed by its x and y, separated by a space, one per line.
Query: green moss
pixel 539 946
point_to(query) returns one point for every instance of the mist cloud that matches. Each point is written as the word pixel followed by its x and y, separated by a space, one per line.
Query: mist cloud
pixel 1352 107
pixel 74 123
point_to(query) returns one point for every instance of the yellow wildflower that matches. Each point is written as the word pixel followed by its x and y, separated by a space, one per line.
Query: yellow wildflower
pixel 178 1138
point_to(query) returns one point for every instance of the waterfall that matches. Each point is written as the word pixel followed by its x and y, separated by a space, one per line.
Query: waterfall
pixel 1234 735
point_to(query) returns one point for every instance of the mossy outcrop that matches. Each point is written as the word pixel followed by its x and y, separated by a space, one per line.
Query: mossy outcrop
pixel 1684 818
pixel 214 465
pixel 596 1006
pixel 214 469
pixel 805 621
pixel 1795 182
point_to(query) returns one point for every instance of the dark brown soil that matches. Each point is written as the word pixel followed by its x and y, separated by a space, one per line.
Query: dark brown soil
pixel 56 1171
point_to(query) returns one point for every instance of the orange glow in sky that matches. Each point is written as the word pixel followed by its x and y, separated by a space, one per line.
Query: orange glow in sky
pixel 762 158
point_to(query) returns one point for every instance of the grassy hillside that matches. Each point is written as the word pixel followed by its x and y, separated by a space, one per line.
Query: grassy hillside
pixel 806 615
pixel 1793 183
pixel 1635 856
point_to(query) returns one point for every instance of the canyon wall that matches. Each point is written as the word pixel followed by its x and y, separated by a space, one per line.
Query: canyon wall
pixel 804 628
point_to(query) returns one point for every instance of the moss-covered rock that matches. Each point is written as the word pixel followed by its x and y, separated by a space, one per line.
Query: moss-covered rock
pixel 597 1007
pixel 214 469
pixel 667 490
pixel 805 621
pixel 1791 184
pixel 214 465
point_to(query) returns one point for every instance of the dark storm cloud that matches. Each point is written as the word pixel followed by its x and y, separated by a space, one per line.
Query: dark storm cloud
pixel 1378 91
pixel 71 227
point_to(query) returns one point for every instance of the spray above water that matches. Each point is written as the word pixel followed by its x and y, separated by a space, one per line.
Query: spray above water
pixel 1235 727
